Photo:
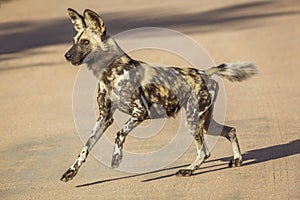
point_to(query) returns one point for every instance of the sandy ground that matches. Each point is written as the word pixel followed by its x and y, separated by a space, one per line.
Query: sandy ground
pixel 38 137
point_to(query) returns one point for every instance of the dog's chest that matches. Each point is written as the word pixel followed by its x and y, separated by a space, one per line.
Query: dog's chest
pixel 124 88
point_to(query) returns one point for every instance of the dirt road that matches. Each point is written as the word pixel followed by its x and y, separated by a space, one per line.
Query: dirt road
pixel 38 137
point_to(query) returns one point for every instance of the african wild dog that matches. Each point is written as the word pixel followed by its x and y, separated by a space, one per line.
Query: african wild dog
pixel 134 87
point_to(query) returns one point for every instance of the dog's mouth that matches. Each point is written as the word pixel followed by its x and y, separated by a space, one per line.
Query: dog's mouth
pixel 76 63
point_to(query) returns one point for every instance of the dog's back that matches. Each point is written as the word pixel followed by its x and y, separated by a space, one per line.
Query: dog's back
pixel 162 90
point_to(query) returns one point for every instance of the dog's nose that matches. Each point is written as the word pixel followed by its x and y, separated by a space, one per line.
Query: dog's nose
pixel 68 56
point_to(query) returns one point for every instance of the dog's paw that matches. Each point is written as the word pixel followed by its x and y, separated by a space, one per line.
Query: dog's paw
pixel 235 163
pixel 207 155
pixel 69 175
pixel 116 160
pixel 184 172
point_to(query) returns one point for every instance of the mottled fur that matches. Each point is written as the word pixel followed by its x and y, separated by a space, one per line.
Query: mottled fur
pixel 146 92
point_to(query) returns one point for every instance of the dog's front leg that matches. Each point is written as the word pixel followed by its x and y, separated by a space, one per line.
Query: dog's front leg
pixel 101 125
pixel 120 139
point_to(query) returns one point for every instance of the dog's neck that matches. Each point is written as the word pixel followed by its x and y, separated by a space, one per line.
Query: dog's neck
pixel 105 55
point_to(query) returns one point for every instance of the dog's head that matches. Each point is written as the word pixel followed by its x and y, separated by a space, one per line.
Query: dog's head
pixel 91 32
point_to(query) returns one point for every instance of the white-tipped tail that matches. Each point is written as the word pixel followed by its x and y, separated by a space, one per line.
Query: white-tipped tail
pixel 238 71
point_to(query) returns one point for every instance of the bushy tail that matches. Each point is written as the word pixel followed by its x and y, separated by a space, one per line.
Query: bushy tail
pixel 238 71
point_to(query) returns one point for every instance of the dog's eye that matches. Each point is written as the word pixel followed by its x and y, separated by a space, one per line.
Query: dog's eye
pixel 85 42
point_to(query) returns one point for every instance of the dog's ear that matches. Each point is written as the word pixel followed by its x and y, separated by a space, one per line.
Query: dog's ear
pixel 94 21
pixel 76 19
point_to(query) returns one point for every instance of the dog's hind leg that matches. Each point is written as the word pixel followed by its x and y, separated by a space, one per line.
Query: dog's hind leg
pixel 202 153
pixel 195 124
pixel 230 134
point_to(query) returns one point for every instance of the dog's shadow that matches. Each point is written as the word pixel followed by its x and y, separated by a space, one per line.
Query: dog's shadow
pixel 251 157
